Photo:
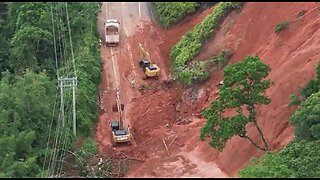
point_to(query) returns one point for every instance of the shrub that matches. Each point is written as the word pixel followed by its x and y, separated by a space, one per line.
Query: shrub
pixel 222 58
pixel 170 13
pixel 190 44
pixel 199 70
pixel 294 100
pixel 280 27
pixel 298 159
pixel 83 155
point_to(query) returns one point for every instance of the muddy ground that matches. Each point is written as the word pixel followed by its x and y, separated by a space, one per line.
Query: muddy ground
pixel 162 113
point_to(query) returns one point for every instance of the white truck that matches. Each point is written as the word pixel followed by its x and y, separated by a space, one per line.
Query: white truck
pixel 112 32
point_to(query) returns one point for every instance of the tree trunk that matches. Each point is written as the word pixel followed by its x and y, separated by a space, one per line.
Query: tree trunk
pixel 262 136
pixel 253 143
pixel 253 118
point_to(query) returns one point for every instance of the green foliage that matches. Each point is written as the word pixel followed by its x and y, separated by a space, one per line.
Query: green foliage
pixel 310 88
pixel 222 58
pixel 170 13
pixel 270 165
pixel 198 71
pixel 24 122
pixel 306 119
pixel 27 95
pixel 221 129
pixel 244 83
pixel 83 155
pixel 185 75
pixel 244 86
pixel 294 100
pixel 27 49
pixel 190 44
pixel 4 37
pixel 281 26
pixel 300 159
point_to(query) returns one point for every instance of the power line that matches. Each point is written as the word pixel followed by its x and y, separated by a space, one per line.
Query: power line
pixel 56 97
pixel 60 140
pixel 54 42
pixel 63 42
pixel 70 37
pixel 53 155
pixel 64 146
pixel 53 113
pixel 74 82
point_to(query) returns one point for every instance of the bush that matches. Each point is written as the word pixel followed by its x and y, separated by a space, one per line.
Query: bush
pixel 294 100
pixel 199 70
pixel 280 27
pixel 306 119
pixel 222 58
pixel 170 13
pixel 83 155
pixel 190 44
pixel 298 159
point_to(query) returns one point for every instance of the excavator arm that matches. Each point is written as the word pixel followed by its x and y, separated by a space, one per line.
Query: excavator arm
pixel 143 53
pixel 119 108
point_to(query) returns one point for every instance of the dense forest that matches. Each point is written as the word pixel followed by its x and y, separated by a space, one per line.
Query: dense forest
pixel 40 42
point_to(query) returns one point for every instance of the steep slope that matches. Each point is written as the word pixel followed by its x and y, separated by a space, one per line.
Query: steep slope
pixel 292 55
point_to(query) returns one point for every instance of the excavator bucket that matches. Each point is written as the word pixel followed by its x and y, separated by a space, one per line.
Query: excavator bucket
pixel 115 108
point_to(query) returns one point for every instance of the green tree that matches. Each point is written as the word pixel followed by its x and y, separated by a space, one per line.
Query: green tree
pixel 269 166
pixel 27 46
pixel 300 159
pixel 26 107
pixel 244 87
pixel 306 119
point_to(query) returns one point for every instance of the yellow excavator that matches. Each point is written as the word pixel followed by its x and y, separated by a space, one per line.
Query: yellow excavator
pixel 149 69
pixel 119 134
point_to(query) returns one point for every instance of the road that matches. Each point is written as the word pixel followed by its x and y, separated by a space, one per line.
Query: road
pixel 119 66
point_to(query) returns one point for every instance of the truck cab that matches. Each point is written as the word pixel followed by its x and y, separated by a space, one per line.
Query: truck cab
pixel 119 135
pixel 112 32
pixel 150 70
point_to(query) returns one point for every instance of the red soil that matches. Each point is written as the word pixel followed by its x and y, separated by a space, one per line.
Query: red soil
pixel 292 55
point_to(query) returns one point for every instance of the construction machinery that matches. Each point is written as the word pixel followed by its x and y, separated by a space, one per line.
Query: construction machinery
pixel 119 134
pixel 112 32
pixel 149 69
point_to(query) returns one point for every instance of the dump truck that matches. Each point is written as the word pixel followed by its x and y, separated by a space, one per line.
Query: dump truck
pixel 119 133
pixel 112 32
pixel 150 70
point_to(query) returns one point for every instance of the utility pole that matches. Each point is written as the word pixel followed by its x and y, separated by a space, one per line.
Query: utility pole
pixel 69 82
pixel 74 85
pixel 62 101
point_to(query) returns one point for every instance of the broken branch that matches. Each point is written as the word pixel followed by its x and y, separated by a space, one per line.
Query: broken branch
pixel 128 157
pixel 165 145
pixel 145 113
pixel 173 140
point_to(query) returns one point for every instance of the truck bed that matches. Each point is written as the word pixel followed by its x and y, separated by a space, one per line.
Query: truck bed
pixel 112 38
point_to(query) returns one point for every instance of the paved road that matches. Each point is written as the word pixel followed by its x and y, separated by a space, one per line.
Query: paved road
pixel 128 13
